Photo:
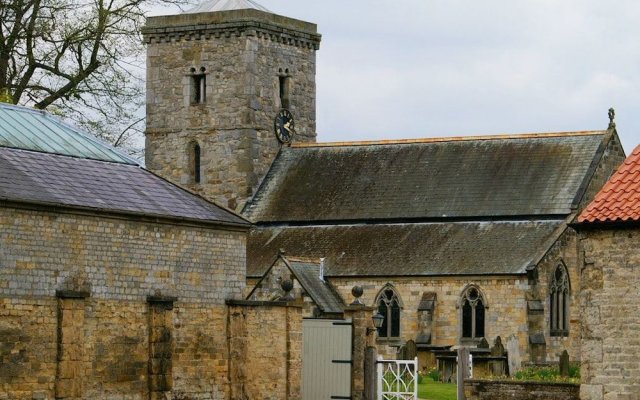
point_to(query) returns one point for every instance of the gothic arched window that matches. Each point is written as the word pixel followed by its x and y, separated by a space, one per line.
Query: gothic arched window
pixel 388 303
pixel 473 313
pixel 559 302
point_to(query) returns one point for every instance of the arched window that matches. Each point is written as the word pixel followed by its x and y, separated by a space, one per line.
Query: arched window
pixel 473 313
pixel 559 302
pixel 389 304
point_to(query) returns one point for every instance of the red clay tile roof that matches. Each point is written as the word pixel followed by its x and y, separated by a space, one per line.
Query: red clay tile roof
pixel 619 199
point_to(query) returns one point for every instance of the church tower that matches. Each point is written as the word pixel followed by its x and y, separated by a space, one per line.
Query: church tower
pixel 228 84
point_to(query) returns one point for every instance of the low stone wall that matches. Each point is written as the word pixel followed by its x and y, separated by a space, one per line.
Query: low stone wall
pixel 511 390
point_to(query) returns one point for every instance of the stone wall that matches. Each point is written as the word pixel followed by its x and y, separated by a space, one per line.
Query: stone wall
pixel 77 306
pixel 506 314
pixel 234 127
pixel 610 313
pixel 564 252
pixel 266 350
pixel 510 390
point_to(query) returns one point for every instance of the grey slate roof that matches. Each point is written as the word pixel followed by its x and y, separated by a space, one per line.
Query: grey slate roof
pixel 416 249
pixel 29 129
pixel 225 5
pixel 308 274
pixel 440 178
pixel 55 180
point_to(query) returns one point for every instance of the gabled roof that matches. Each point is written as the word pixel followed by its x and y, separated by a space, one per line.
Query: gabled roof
pixel 619 199
pixel 225 5
pixel 36 130
pixel 55 180
pixel 415 249
pixel 463 178
pixel 308 274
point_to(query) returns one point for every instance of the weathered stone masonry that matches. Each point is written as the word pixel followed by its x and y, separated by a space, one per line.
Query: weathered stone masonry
pixel 75 321
pixel 244 54
pixel 610 315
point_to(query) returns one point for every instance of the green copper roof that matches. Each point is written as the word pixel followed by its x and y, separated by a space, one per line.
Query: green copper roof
pixel 36 130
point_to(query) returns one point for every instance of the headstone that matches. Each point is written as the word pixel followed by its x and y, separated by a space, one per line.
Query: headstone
pixel 497 366
pixel 564 364
pixel 513 348
pixel 410 350
pixel 483 344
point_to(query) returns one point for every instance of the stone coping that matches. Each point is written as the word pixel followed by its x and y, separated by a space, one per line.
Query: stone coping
pixel 521 383
pixel 254 303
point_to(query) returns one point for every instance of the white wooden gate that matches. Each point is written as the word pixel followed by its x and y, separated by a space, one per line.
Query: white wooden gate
pixel 397 379
pixel 326 359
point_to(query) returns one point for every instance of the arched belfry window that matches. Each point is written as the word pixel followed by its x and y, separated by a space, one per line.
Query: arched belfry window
pixel 473 313
pixel 559 302
pixel 389 305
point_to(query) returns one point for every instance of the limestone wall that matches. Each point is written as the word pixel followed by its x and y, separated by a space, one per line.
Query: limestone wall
pixel 565 253
pixel 266 350
pixel 611 315
pixel 510 390
pixel 79 298
pixel 506 314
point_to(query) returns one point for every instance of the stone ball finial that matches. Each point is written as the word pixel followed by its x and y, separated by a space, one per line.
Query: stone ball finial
pixel 287 285
pixel 357 292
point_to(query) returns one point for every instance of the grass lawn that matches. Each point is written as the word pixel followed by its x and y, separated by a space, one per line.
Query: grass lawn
pixel 430 390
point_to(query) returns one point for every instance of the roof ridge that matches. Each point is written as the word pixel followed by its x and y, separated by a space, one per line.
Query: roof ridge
pixel 450 139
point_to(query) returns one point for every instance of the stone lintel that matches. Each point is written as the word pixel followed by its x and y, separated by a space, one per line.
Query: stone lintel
pixel 227 23
pixel 254 303
pixel 163 301
pixel 72 294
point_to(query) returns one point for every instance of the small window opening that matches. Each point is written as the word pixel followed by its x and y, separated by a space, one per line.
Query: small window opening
pixel 198 86
pixel 284 86
pixel 196 163
pixel 473 313
pixel 559 302
pixel 388 303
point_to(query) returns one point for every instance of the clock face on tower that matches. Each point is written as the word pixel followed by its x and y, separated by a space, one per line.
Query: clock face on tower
pixel 284 126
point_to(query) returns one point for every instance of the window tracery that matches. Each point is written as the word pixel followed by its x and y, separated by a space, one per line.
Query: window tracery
pixel 473 313
pixel 389 305
pixel 559 302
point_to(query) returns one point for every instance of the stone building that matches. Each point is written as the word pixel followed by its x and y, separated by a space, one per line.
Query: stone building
pixel 609 234
pixel 216 78
pixel 116 284
pixel 452 239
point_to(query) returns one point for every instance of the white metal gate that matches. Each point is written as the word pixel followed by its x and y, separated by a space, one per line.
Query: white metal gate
pixel 326 359
pixel 397 379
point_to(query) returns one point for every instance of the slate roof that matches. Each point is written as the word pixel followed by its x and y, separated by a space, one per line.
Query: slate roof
pixel 619 199
pixel 55 180
pixel 225 5
pixel 30 129
pixel 416 249
pixel 439 178
pixel 308 274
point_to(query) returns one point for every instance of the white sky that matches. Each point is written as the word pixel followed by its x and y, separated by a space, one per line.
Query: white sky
pixel 424 68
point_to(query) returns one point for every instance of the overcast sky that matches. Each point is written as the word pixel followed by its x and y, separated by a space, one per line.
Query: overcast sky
pixel 424 68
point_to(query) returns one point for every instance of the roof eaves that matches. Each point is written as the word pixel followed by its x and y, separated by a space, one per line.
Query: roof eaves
pixel 56 207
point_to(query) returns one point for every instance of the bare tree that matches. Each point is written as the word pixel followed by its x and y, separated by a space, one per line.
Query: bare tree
pixel 81 59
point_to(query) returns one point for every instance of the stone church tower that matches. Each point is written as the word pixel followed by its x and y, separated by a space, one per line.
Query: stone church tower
pixel 217 77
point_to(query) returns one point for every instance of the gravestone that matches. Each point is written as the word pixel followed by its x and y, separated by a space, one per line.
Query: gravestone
pixel 483 344
pixel 497 366
pixel 513 348
pixel 408 351
pixel 564 364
